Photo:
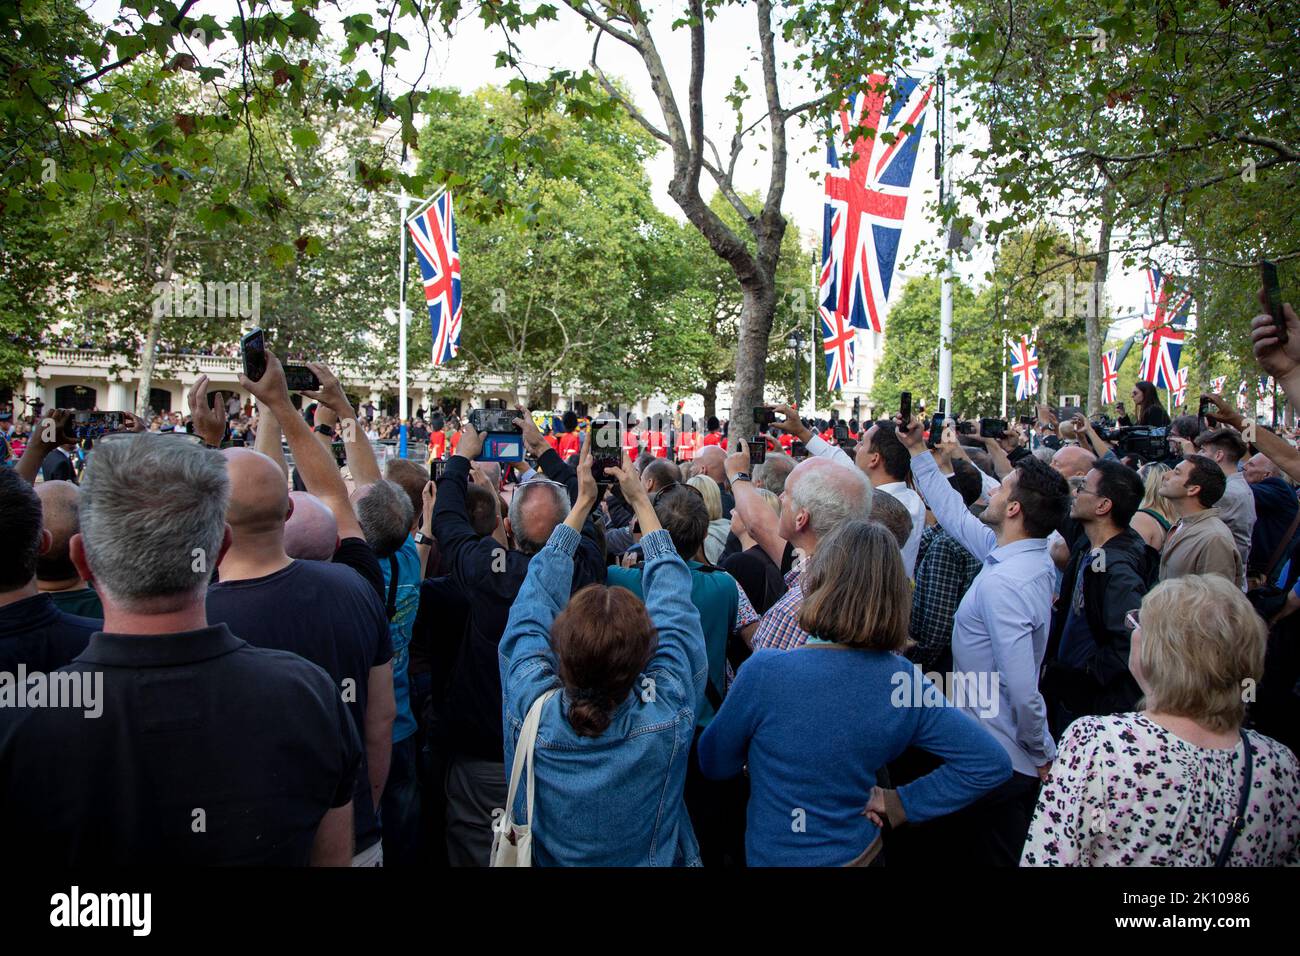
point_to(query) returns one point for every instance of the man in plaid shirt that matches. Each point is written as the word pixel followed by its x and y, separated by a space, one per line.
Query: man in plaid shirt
pixel 944 572
pixel 818 497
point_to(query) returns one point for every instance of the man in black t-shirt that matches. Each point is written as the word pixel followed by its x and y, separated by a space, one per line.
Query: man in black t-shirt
pixel 319 610
pixel 187 745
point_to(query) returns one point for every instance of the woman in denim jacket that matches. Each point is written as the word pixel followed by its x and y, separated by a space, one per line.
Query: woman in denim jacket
pixel 612 746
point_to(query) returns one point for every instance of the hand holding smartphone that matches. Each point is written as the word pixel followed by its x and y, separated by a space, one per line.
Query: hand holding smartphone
pixel 298 378
pixel 1273 299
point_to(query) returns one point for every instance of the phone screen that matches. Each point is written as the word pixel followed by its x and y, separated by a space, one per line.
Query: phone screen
pixel 905 407
pixel 606 448
pixel 253 345
pixel 298 378
pixel 757 450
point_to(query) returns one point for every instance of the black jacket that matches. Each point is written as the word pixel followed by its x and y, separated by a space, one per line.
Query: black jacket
pixel 1114 583
pixel 489 579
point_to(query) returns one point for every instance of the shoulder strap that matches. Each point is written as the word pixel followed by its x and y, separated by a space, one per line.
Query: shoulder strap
pixel 1239 821
pixel 391 605
pixel 1159 518
pixel 524 755
pixel 1280 551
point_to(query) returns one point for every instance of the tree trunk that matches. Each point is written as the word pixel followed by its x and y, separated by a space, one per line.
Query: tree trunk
pixel 751 348
pixel 710 392
pixel 147 359
pixel 1100 270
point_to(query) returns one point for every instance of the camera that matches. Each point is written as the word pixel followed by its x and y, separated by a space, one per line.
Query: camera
pixel 94 424
pixel 798 450
pixel 965 428
pixel 1142 441
pixel 494 421
pixel 763 416
pixel 757 450
pixel 504 440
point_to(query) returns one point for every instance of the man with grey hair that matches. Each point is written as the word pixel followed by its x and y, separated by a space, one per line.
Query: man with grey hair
pixel 489 577
pixel 200 749
pixel 819 496
pixel 773 472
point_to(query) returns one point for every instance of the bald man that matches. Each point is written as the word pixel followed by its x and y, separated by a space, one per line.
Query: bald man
pixel 56 575
pixel 1275 508
pixel 319 610
pixel 312 532
pixel 819 496
pixel 1070 461
pixel 711 460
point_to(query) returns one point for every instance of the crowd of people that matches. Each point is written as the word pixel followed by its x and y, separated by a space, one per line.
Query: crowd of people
pixel 877 643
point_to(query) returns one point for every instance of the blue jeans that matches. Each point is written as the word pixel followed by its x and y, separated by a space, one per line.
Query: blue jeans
pixel 399 808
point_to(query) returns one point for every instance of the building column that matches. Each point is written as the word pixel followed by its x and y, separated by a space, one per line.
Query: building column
pixel 118 397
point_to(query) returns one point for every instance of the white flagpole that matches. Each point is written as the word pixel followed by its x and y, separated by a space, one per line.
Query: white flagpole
pixel 1005 359
pixel 945 299
pixel 403 204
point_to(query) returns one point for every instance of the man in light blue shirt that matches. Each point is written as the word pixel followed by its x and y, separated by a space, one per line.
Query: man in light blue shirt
pixel 999 636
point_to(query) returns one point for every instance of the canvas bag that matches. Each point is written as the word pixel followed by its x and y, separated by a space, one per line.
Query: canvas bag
pixel 512 843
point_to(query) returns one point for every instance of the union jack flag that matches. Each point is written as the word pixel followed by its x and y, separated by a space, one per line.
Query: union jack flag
pixel 862 219
pixel 1241 394
pixel 1109 378
pixel 434 234
pixel 1166 321
pixel 1180 391
pixel 1217 384
pixel 1024 367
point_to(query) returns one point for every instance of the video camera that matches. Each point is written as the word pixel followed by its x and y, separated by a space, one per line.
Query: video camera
pixel 504 439
pixel 1144 442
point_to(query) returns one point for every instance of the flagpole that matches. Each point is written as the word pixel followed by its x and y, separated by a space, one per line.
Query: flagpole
pixel 403 204
pixel 1005 359
pixel 812 348
pixel 945 297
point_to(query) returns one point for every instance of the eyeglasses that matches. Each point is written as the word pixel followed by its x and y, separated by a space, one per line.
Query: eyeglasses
pixel 1131 620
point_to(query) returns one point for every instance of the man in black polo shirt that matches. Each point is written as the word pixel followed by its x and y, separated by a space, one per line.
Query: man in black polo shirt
pixel 33 631
pixel 206 750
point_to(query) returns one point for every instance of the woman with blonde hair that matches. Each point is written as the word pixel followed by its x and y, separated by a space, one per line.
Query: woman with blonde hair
pixel 718 525
pixel 1181 783
pixel 1156 515
pixel 813 725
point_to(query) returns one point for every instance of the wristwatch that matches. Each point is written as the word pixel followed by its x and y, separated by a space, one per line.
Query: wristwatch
pixel 326 430
pixel 740 476
pixel 422 538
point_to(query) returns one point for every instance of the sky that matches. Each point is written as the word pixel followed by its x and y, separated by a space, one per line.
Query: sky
pixel 467 61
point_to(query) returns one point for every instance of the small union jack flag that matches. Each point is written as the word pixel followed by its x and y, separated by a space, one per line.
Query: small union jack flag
pixel 434 233
pixel 1166 321
pixel 1024 367
pixel 1180 391
pixel 1217 384
pixel 866 199
pixel 1241 394
pixel 838 339
pixel 1109 378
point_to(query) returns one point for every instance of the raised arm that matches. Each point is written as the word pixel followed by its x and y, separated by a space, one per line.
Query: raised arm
pixel 360 453
pixel 764 526
pixel 268 439
pixel 49 432
pixel 315 464
pixel 943 499
pixel 1278 450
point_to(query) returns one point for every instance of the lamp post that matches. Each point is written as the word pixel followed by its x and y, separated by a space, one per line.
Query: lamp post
pixel 795 341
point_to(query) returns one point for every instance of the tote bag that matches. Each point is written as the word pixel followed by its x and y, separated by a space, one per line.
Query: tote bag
pixel 512 843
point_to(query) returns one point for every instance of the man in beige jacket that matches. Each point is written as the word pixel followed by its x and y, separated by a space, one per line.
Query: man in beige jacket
pixel 1200 543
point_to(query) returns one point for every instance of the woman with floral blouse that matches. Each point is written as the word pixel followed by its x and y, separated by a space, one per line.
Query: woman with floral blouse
pixel 1163 787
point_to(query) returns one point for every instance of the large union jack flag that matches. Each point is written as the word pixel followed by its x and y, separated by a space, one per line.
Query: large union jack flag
pixel 867 183
pixel 1166 321
pixel 1024 367
pixel 1109 377
pixel 434 234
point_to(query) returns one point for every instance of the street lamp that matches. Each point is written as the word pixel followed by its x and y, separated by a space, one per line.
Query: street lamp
pixel 795 341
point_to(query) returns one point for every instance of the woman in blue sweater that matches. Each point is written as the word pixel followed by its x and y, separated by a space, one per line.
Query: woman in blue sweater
pixel 814 724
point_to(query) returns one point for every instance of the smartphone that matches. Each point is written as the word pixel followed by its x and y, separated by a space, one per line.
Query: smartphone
pixel 936 428
pixel 437 467
pixel 95 424
pixel 905 408
pixel 757 450
pixel 840 431
pixel 993 428
pixel 253 347
pixel 798 450
pixel 763 416
pixel 1205 414
pixel 606 448
pixel 1027 420
pixel 299 378
pixel 1273 293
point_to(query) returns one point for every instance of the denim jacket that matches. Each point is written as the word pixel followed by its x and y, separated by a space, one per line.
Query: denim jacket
pixel 616 799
